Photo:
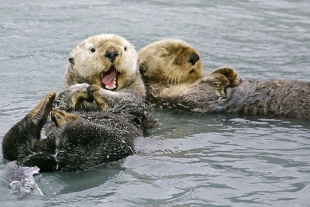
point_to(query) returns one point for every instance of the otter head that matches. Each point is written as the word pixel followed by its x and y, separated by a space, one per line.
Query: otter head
pixel 107 60
pixel 170 61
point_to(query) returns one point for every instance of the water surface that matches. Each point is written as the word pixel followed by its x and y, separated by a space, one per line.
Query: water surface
pixel 190 159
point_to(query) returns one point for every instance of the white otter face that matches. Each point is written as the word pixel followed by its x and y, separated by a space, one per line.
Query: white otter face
pixel 107 60
pixel 170 61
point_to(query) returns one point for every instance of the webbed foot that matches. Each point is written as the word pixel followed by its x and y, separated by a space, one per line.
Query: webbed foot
pixel 20 140
pixel 60 117
pixel 39 114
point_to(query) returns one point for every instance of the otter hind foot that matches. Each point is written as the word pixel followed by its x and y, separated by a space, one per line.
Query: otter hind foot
pixel 219 81
pixel 20 140
pixel 60 117
pixel 39 114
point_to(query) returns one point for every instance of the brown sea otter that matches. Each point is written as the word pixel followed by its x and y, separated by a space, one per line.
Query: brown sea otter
pixel 172 72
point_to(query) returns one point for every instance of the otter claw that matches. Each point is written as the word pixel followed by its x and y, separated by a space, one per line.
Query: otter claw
pixel 90 91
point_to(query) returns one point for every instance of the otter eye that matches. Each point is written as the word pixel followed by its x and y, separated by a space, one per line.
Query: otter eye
pixel 125 48
pixel 93 50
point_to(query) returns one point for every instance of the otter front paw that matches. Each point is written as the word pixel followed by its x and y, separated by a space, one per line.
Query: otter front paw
pixel 231 74
pixel 95 92
pixel 76 94
pixel 222 78
pixel 78 97
pixel 218 81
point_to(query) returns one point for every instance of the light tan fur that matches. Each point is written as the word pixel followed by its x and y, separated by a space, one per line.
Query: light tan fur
pixel 167 62
pixel 87 64
pixel 221 78
pixel 168 69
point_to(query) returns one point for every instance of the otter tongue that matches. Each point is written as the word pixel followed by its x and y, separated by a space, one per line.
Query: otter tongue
pixel 108 78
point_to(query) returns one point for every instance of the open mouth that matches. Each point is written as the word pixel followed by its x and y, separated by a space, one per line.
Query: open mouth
pixel 109 79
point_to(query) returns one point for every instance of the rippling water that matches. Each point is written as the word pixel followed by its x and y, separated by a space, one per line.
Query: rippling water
pixel 190 159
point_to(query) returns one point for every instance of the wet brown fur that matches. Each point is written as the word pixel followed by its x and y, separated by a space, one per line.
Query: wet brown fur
pixel 222 91
pixel 79 140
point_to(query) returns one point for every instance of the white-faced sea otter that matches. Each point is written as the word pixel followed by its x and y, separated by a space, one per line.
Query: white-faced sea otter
pixel 93 120
pixel 109 64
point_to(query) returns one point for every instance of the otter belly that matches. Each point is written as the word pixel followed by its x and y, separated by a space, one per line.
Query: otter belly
pixel 82 145
pixel 274 98
pixel 282 98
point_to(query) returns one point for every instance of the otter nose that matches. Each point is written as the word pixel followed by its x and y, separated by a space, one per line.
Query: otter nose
pixel 111 55
pixel 193 58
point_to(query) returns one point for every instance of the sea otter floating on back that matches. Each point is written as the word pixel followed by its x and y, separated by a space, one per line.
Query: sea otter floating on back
pixel 94 119
pixel 109 64
pixel 173 74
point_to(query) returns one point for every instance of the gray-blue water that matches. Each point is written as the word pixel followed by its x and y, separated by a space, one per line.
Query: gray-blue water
pixel 190 159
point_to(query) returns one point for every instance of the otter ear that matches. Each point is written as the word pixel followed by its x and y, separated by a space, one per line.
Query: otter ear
pixel 71 60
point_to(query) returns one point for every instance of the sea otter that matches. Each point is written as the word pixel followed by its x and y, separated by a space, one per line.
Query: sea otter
pixel 103 79
pixel 81 139
pixel 108 63
pixel 92 121
pixel 172 72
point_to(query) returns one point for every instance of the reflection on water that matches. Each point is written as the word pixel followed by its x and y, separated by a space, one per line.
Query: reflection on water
pixel 189 159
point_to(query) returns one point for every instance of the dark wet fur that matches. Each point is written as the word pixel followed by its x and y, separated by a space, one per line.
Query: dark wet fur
pixel 101 137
